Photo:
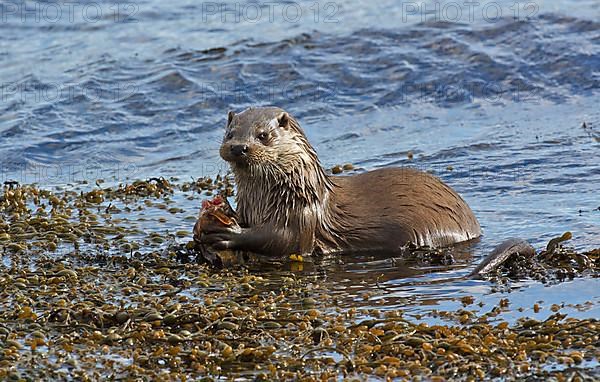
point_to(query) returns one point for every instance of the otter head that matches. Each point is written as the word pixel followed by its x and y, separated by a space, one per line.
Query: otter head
pixel 265 140
pixel 278 175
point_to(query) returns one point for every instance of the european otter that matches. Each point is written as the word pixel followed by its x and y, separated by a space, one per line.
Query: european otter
pixel 287 203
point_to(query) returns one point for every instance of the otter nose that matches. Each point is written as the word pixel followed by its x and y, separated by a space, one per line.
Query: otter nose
pixel 239 150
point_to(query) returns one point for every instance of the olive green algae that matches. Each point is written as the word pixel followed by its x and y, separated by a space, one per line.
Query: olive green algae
pixel 95 285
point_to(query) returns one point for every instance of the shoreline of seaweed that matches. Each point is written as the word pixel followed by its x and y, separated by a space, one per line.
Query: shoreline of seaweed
pixel 89 292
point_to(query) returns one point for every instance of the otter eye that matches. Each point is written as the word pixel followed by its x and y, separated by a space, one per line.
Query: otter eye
pixel 262 136
pixel 229 135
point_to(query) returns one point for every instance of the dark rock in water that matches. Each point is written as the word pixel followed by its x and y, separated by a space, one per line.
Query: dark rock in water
pixel 221 259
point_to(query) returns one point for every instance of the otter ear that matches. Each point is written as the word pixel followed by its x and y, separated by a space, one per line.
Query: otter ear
pixel 230 116
pixel 283 119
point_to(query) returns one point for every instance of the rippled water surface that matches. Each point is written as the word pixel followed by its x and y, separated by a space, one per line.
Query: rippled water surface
pixel 501 101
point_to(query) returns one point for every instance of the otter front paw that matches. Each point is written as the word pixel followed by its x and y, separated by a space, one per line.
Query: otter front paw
pixel 221 239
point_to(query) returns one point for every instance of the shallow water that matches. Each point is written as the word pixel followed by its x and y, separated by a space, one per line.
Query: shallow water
pixel 130 90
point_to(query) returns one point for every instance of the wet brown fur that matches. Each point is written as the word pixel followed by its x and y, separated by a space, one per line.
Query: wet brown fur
pixel 283 190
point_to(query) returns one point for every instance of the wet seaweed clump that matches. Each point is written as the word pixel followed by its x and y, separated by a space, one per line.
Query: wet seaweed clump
pixel 426 256
pixel 208 186
pixel 557 263
pixel 156 187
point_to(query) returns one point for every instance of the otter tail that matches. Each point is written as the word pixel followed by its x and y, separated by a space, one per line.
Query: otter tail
pixel 500 254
